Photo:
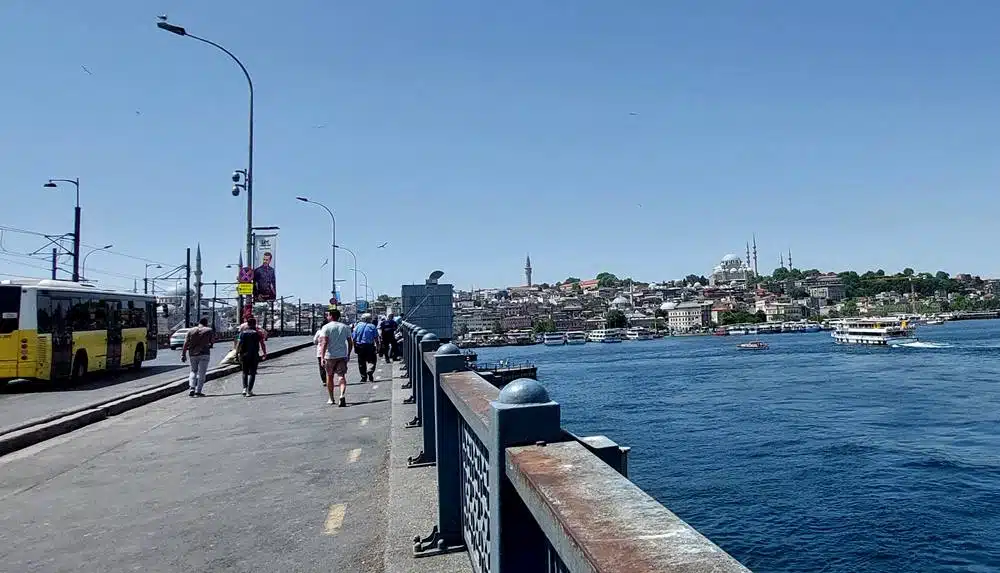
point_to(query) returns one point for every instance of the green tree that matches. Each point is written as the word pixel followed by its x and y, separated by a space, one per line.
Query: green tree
pixel 850 308
pixel 577 289
pixel 907 272
pixel 543 325
pixel 544 286
pixel 691 279
pixel 811 273
pixel 571 280
pixel 737 317
pixel 607 280
pixel 761 316
pixel 615 319
pixel 780 274
pixel 384 298
pixel 941 276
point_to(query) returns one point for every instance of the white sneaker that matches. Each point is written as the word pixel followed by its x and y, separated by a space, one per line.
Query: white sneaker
pixel 330 401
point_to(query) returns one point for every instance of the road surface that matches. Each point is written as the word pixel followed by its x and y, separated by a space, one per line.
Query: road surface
pixel 277 482
pixel 21 403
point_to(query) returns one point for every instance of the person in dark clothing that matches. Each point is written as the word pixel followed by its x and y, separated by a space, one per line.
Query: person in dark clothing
pixel 387 332
pixel 250 350
pixel 365 336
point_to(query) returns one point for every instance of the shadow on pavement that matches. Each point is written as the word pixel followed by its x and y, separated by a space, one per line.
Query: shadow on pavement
pixel 90 383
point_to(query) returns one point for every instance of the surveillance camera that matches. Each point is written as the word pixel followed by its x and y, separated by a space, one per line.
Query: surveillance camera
pixel 236 177
pixel 236 191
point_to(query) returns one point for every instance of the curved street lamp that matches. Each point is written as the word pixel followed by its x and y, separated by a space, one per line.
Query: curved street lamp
pixel 83 267
pixel 357 270
pixel 355 257
pixel 248 185
pixel 52 184
pixel 333 246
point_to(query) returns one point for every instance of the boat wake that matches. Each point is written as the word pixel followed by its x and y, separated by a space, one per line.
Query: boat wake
pixel 920 344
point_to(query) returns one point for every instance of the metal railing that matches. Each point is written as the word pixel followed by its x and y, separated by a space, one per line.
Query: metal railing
pixel 521 494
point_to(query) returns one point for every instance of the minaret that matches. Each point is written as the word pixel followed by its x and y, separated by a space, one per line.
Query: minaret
pixel 527 269
pixel 748 254
pixel 197 283
pixel 781 259
pixel 755 255
pixel 790 259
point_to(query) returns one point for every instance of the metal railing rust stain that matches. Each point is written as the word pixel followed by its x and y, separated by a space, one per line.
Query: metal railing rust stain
pixel 598 520
pixel 470 389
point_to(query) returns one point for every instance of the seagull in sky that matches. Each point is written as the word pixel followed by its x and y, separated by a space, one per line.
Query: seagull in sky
pixel 86 70
pixel 325 262
pixel 382 246
pixel 633 113
pixel 320 126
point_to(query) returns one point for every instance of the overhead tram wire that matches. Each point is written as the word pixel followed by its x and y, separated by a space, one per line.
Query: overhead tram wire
pixel 46 236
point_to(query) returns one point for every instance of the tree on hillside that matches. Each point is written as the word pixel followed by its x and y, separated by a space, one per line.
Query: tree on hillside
pixel 691 279
pixel 761 316
pixel 543 325
pixel 811 273
pixel 615 319
pixel 907 272
pixel 571 280
pixel 941 276
pixel 780 274
pixel 739 317
pixel 544 286
pixel 577 289
pixel 607 280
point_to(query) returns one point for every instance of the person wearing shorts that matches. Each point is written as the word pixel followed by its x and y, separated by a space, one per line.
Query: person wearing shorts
pixel 317 339
pixel 337 345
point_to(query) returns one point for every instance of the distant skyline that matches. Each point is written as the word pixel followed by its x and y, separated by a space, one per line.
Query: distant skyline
pixel 647 138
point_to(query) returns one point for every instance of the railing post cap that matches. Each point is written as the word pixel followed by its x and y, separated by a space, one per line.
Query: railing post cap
pixel 524 391
pixel 448 350
pixel 429 337
pixel 419 332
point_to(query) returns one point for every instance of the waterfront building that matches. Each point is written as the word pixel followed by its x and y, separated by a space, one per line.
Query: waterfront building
pixel 829 287
pixel 690 315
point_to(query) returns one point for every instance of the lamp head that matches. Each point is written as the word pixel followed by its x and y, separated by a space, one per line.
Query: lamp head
pixel 50 185
pixel 171 28
pixel 303 199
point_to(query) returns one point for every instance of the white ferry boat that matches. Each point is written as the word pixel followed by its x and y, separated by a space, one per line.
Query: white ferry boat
pixel 638 333
pixel 874 331
pixel 576 337
pixel 605 335
pixel 553 339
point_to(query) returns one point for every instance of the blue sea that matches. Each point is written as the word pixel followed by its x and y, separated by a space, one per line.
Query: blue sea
pixel 809 456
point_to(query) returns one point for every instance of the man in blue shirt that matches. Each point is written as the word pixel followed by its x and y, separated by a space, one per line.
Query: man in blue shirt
pixel 365 336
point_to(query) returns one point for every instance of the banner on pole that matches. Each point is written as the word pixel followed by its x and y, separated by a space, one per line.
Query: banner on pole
pixel 264 283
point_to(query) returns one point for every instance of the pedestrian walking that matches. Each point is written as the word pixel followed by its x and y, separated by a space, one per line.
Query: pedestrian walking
pixel 336 346
pixel 387 331
pixel 198 344
pixel 365 336
pixel 250 350
pixel 318 340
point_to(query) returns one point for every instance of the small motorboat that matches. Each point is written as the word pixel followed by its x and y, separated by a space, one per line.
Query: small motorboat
pixel 752 345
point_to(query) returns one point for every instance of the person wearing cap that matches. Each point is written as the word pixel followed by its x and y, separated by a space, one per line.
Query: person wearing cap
pixel 365 336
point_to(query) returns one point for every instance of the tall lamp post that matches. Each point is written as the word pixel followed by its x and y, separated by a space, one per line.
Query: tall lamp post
pixel 355 259
pixel 355 269
pixel 83 265
pixel 333 246
pixel 145 277
pixel 52 184
pixel 248 174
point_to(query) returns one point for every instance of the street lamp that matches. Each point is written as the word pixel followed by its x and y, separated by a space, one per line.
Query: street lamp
pixel 83 266
pixel 248 174
pixel 52 184
pixel 145 277
pixel 333 247
pixel 355 257
pixel 357 270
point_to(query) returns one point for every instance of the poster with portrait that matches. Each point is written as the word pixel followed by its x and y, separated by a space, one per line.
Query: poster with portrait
pixel 265 252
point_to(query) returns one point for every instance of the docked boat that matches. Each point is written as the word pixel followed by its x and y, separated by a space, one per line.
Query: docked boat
pixel 721 332
pixel 737 331
pixel 576 337
pixel 638 333
pixel 875 331
pixel 605 335
pixel 752 345
pixel 934 321
pixel 553 339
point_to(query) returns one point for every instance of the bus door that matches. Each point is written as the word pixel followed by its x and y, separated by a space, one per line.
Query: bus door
pixel 114 319
pixel 10 341
pixel 62 339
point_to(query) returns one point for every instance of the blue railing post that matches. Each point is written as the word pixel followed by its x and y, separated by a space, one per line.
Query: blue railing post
pixel 523 414
pixel 446 536
pixel 414 369
pixel 425 412
pixel 404 341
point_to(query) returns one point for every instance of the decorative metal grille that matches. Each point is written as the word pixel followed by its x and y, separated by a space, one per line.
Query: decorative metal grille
pixel 555 564
pixel 475 498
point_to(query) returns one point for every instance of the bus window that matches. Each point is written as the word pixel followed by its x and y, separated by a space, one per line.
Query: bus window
pixel 10 307
pixel 61 312
pixel 99 310
pixel 80 317
pixel 44 313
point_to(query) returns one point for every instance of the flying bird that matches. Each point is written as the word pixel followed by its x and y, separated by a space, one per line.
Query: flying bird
pixel 382 246
pixel 633 113
pixel 320 126
pixel 325 262
pixel 137 112
pixel 86 70
pixel 162 17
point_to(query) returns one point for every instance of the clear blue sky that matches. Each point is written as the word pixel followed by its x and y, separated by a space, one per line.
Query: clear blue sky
pixel 859 134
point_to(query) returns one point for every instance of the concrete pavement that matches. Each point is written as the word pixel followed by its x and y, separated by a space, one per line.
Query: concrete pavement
pixel 278 482
pixel 22 403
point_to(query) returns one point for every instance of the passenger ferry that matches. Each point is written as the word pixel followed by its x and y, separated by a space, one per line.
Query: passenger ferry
pixel 874 331
pixel 553 339
pixel 638 333
pixel 576 337
pixel 605 335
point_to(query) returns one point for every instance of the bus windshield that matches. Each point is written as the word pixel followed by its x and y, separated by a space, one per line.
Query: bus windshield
pixel 10 307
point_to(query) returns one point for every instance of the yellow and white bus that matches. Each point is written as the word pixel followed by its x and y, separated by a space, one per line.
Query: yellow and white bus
pixel 60 330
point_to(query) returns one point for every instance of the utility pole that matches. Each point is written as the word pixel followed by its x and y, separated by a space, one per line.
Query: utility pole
pixel 55 262
pixel 215 295
pixel 298 318
pixel 187 291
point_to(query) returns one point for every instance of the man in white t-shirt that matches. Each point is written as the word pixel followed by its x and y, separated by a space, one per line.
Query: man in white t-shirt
pixel 336 346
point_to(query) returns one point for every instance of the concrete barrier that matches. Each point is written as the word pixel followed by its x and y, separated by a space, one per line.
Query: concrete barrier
pixel 42 429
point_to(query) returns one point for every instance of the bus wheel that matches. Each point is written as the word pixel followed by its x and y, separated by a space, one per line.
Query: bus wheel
pixel 79 366
pixel 137 359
